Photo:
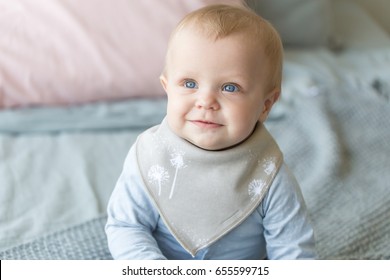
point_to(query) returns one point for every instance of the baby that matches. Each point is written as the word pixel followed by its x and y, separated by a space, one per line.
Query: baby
pixel 210 182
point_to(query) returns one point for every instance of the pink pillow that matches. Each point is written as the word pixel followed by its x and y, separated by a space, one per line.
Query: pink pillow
pixel 62 52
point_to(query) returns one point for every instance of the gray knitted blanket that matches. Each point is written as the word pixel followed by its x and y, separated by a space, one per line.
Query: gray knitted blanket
pixel 86 241
pixel 337 144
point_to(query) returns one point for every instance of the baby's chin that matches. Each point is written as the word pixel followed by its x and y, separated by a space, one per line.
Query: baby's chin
pixel 203 146
pixel 217 145
pixel 212 146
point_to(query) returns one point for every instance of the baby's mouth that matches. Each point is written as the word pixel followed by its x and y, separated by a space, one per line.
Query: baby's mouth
pixel 206 124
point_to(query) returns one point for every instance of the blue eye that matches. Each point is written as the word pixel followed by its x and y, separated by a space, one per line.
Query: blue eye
pixel 190 84
pixel 230 88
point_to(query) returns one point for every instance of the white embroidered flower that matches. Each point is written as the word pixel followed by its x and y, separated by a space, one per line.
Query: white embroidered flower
pixel 269 165
pixel 177 161
pixel 158 174
pixel 255 188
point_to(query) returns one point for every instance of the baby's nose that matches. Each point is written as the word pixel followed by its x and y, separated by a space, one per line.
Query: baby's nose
pixel 207 100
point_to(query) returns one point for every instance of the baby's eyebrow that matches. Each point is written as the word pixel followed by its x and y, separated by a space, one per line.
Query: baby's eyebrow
pixel 238 79
pixel 186 73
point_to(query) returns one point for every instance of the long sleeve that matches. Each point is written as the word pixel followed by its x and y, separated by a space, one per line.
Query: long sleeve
pixel 131 217
pixel 287 230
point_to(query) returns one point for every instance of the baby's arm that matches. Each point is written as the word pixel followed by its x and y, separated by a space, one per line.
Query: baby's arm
pixel 131 217
pixel 287 230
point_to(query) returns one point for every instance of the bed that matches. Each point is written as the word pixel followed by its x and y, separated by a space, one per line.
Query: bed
pixel 70 110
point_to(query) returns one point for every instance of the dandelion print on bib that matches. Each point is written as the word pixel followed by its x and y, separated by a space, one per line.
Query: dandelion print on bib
pixel 255 188
pixel 269 165
pixel 177 162
pixel 158 175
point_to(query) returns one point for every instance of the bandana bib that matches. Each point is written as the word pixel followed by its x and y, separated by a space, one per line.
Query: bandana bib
pixel 202 195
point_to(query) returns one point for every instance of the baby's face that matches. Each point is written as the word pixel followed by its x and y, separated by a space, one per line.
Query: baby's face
pixel 216 89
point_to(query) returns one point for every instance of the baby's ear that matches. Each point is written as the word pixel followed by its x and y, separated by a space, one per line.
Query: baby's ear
pixel 164 82
pixel 269 101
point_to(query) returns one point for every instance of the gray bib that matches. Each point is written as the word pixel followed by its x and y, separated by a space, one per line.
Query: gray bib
pixel 202 195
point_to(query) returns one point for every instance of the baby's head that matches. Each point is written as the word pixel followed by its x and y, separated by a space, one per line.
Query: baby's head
pixel 222 75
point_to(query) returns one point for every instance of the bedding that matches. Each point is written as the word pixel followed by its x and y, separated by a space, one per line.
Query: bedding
pixel 59 164
pixel 73 52
pixel 291 17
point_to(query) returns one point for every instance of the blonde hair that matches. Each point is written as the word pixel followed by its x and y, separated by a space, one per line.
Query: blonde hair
pixel 219 21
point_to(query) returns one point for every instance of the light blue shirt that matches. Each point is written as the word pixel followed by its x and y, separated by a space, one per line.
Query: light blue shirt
pixel 278 229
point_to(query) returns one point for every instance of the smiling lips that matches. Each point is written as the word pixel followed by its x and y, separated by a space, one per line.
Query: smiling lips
pixel 206 124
